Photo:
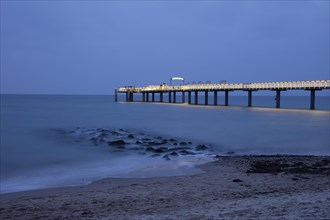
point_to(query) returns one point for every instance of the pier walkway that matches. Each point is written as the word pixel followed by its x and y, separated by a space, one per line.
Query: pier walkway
pixel 193 90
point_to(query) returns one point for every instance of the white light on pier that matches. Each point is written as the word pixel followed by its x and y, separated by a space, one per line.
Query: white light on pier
pixel 177 78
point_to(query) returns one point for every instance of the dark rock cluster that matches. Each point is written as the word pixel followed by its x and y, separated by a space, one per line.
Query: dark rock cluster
pixel 321 166
pixel 124 140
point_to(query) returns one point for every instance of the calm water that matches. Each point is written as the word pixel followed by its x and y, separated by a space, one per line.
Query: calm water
pixel 35 155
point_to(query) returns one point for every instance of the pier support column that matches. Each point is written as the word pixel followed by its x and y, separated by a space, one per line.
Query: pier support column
pixel 183 97
pixel 249 98
pixel 312 100
pixel 169 97
pixel 147 94
pixel 161 96
pixel 189 97
pixel 153 97
pixel 206 98
pixel 174 96
pixel 116 95
pixel 215 97
pixel 196 97
pixel 226 97
pixel 143 96
pixel 131 97
pixel 278 98
pixel 127 96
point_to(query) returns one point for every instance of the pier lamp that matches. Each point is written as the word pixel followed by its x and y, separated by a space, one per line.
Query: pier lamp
pixel 176 78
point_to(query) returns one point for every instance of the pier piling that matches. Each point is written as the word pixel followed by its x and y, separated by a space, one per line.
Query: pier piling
pixel 143 96
pixel 127 96
pixel 116 95
pixel 196 97
pixel 312 99
pixel 226 97
pixel 189 97
pixel 183 97
pixel 169 97
pixel 249 98
pixel 174 96
pixel 153 97
pixel 161 96
pixel 215 98
pixel 278 98
pixel 206 98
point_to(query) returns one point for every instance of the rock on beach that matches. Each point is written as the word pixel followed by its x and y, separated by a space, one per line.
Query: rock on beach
pixel 117 143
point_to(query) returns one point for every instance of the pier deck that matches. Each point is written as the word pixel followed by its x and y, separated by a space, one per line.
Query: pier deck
pixel 171 91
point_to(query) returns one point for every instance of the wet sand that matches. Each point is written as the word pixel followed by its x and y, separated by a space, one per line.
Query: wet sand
pixel 232 187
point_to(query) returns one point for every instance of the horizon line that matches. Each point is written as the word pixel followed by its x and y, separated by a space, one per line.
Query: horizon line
pixel 112 94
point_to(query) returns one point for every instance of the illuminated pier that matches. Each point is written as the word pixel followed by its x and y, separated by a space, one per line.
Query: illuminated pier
pixel 194 89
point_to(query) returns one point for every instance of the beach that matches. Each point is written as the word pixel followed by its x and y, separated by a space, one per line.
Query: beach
pixel 231 187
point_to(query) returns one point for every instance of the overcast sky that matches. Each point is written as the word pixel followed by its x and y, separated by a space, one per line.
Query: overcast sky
pixel 92 47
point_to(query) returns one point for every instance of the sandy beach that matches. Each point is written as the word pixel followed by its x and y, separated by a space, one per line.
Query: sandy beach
pixel 232 187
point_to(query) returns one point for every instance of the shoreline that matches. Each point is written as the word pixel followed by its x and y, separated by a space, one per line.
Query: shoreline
pixel 239 187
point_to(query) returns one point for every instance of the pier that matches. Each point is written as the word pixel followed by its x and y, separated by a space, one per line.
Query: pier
pixel 157 92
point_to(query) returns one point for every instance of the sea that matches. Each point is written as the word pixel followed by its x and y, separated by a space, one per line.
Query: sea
pixel 47 140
